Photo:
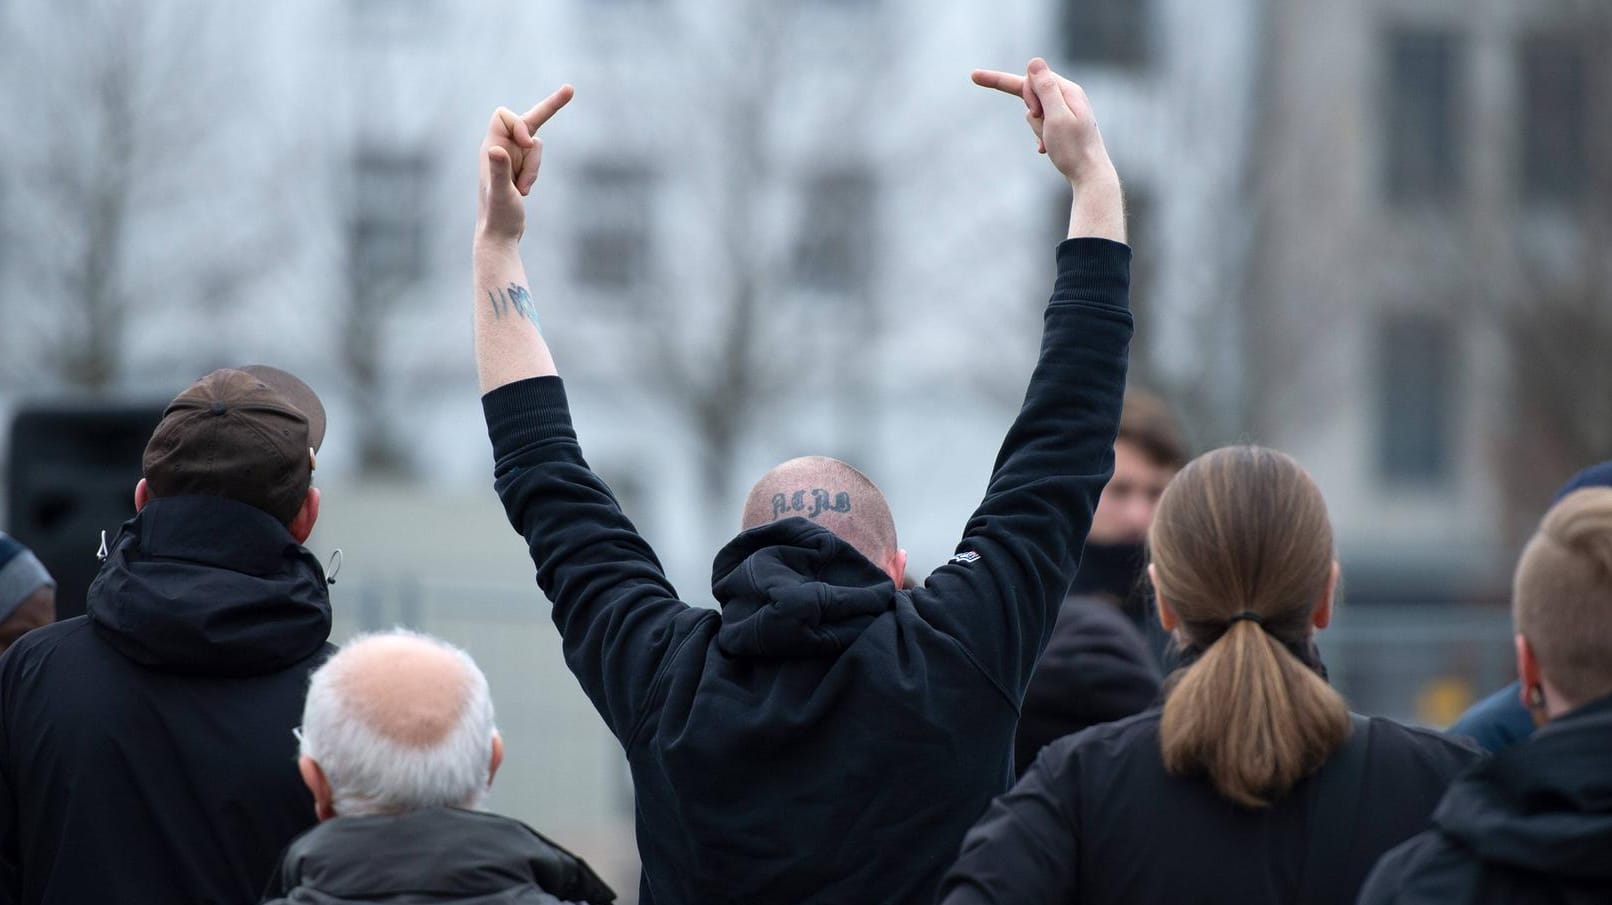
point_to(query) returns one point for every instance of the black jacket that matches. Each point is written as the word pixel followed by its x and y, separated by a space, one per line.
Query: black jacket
pixel 434 855
pixel 146 752
pixel 1098 820
pixel 1532 824
pixel 1115 572
pixel 1497 722
pixel 826 737
pixel 1097 668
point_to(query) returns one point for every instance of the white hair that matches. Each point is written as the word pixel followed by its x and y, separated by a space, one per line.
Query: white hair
pixel 372 773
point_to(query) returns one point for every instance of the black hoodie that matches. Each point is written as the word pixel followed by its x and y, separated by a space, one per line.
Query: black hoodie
pixel 146 752
pixel 1532 824
pixel 826 737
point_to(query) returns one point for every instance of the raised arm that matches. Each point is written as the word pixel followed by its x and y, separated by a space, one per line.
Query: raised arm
pixel 508 344
pixel 998 597
pixel 616 612
pixel 1066 130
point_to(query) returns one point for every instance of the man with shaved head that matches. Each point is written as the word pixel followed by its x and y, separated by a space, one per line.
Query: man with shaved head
pixel 398 749
pixel 828 735
pixel 823 489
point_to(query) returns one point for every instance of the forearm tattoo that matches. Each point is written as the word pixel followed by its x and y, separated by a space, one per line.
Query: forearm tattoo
pixel 514 298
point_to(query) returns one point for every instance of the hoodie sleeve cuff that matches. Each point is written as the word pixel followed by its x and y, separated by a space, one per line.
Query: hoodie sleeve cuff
pixel 526 413
pixel 1093 270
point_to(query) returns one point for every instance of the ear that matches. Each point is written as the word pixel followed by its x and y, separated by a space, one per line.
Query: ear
pixel 314 778
pixel 142 495
pixel 1167 616
pixel 302 523
pixel 897 567
pixel 498 757
pixel 1323 610
pixel 1528 676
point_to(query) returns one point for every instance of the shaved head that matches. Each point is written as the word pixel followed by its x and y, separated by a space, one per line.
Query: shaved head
pixel 398 721
pixel 832 494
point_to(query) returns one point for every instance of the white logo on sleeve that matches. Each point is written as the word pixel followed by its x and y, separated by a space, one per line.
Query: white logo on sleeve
pixel 967 558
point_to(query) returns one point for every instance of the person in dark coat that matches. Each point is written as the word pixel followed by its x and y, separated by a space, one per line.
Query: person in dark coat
pixel 146 753
pixel 827 735
pixel 1150 448
pixel 1534 823
pixel 1253 783
pixel 1497 722
pixel 399 748
pixel 1502 719
pixel 1107 649
pixel 1096 669
pixel 27 592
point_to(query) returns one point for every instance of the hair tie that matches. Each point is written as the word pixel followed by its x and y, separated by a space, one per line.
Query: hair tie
pixel 1248 615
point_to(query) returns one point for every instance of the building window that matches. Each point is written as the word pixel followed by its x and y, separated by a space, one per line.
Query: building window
pixel 1416 398
pixel 1113 32
pixel 1553 93
pixel 613 245
pixel 1422 94
pixel 387 228
pixel 838 231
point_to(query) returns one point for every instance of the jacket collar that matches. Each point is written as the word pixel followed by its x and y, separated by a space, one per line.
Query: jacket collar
pixel 441 850
pixel 1544 805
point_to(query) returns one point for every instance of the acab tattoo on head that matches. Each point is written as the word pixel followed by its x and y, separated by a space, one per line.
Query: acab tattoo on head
pixel 514 298
pixel 784 505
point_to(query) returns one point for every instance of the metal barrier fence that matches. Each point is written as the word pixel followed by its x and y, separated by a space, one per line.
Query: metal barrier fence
pixel 1421 664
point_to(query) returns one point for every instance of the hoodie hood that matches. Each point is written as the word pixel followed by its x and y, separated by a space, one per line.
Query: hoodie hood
pixel 1543 806
pixel 209 586
pixel 792 588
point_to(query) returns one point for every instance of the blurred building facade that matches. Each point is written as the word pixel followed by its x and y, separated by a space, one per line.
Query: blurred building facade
pixel 796 228
pixel 1427 311
pixel 761 232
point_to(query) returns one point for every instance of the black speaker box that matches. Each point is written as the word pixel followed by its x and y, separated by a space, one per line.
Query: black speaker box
pixel 71 476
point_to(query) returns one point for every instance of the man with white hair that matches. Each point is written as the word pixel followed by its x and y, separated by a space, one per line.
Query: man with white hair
pixel 398 749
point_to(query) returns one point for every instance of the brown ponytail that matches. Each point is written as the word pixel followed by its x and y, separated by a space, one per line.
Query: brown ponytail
pixel 1242 554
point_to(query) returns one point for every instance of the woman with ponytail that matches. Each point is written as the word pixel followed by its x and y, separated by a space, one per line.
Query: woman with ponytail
pixel 1253 782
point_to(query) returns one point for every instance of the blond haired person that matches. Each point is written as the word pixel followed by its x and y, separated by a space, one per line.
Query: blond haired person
pixel 1534 823
pixel 1253 783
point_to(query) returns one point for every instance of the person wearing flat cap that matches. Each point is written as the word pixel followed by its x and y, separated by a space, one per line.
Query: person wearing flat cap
pixel 27 592
pixel 146 747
